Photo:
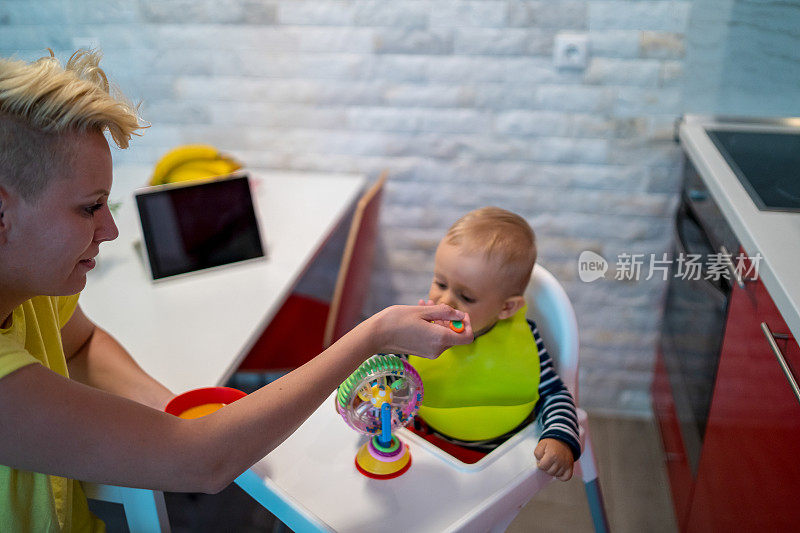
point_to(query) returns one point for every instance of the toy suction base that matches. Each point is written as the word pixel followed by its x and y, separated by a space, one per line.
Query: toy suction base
pixel 380 465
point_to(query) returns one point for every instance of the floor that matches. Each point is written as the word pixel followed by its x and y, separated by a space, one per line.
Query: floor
pixel 632 474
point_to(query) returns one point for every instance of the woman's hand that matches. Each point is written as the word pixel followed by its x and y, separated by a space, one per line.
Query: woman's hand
pixel 421 330
pixel 445 323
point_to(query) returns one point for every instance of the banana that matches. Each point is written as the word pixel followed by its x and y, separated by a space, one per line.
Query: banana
pixel 192 161
pixel 201 168
pixel 179 155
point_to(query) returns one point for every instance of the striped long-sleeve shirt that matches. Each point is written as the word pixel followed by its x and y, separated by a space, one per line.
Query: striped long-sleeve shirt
pixel 555 411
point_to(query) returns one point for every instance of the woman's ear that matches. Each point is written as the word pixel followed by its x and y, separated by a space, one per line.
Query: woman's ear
pixel 511 306
pixel 4 204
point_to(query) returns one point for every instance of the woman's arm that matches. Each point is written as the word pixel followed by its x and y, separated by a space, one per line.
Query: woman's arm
pixel 63 427
pixel 96 359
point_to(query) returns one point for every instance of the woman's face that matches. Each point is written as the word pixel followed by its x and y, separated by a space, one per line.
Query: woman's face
pixel 56 236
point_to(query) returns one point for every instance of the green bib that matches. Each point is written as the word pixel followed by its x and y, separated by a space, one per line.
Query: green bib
pixel 485 389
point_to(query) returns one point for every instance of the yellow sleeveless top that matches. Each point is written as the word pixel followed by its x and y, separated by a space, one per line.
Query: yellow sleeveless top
pixel 485 389
pixel 30 501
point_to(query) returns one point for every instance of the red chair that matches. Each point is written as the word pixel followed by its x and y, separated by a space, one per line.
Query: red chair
pixel 305 326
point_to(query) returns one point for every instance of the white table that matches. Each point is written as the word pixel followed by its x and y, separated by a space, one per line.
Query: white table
pixel 194 331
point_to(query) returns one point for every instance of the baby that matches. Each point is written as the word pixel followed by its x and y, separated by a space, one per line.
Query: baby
pixel 479 395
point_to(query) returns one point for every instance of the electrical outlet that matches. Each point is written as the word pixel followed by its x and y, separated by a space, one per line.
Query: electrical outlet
pixel 571 50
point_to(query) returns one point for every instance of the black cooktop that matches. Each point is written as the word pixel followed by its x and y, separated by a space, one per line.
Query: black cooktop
pixel 766 163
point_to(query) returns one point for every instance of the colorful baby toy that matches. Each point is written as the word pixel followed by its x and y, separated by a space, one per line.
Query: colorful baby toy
pixel 382 395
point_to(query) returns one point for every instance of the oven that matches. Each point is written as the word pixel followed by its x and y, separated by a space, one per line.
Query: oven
pixel 695 310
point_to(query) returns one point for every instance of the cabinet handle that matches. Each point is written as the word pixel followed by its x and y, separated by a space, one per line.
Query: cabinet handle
pixel 781 359
pixel 728 261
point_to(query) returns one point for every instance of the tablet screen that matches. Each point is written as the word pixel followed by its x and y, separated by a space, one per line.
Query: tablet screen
pixel 198 225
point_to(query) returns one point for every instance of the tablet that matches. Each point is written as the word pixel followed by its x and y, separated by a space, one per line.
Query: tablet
pixel 197 225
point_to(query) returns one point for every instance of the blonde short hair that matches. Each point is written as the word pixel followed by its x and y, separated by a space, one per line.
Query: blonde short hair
pixel 42 101
pixel 501 236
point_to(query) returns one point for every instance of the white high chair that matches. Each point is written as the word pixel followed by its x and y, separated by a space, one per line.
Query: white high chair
pixel 550 308
pixel 311 484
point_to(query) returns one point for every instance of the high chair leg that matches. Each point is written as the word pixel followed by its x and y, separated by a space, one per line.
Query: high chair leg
pixel 594 495
pixel 145 510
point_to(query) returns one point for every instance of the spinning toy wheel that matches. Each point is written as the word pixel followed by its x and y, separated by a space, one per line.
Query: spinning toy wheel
pixel 382 395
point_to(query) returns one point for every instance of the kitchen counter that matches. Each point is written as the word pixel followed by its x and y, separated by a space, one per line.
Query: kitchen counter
pixel 775 235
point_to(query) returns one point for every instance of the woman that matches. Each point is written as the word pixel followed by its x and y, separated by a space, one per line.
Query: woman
pixel 73 401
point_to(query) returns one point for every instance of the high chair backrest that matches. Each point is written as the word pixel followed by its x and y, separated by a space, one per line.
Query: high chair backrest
pixel 355 270
pixel 550 307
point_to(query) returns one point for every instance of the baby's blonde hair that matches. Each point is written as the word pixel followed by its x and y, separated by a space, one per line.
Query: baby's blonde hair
pixel 501 236
pixel 42 101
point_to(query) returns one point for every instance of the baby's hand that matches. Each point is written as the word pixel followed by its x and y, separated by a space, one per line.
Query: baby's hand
pixel 555 458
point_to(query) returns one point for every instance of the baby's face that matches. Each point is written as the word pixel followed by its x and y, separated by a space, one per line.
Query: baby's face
pixel 468 282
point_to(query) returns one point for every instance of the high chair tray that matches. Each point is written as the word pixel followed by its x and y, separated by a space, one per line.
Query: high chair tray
pixel 467 464
pixel 310 483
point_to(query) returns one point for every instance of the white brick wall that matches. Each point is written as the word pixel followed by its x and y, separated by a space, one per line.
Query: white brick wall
pixel 458 99
pixel 740 53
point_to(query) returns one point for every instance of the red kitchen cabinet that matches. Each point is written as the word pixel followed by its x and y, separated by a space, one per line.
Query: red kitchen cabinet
pixel 680 474
pixel 749 472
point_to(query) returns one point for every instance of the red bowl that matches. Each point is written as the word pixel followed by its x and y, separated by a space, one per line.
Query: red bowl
pixel 196 397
